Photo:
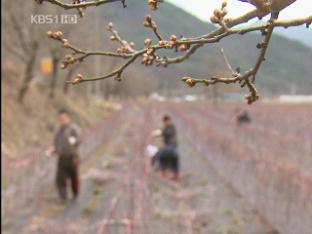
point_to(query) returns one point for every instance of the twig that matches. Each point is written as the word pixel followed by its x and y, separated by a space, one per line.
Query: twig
pixel 186 45
pixel 227 62
pixel 82 4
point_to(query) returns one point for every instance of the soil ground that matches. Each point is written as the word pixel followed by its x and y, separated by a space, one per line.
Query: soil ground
pixel 121 193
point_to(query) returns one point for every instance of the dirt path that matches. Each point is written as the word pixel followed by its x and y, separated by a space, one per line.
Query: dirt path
pixel 121 194
pixel 204 202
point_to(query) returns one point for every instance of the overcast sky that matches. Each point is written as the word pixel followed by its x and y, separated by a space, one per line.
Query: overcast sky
pixel 203 8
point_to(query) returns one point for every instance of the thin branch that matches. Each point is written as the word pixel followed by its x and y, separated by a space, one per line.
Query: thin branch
pixel 116 73
pixel 234 22
pixel 197 43
pixel 150 23
pixel 14 50
pixel 237 78
pixel 186 45
pixel 166 61
pixel 264 45
pixel 227 62
pixel 81 4
pixel 19 32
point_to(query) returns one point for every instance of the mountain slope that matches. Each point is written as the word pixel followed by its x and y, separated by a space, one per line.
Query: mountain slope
pixel 301 34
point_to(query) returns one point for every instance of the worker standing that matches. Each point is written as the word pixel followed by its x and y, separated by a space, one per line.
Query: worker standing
pixel 66 143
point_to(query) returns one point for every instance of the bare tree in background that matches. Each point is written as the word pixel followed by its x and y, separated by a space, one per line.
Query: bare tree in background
pixel 56 57
pixel 188 46
pixel 70 72
pixel 56 53
pixel 22 39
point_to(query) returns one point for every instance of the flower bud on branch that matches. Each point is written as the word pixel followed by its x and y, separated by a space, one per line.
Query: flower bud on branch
pixel 188 46
pixel 77 80
pixel 126 47
pixel 154 4
pixel 150 23
pixel 147 42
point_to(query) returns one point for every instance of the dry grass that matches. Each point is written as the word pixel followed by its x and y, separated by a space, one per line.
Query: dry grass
pixel 34 124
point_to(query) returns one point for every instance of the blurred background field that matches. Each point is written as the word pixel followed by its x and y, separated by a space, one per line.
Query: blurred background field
pixel 250 179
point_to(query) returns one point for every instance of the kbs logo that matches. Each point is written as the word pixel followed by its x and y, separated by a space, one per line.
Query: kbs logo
pixel 53 19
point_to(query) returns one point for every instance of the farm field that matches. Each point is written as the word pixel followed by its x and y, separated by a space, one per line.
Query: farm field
pixel 249 179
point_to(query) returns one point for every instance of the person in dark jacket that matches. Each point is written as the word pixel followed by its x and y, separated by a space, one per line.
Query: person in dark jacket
pixel 168 156
pixel 169 132
pixel 243 118
pixel 66 143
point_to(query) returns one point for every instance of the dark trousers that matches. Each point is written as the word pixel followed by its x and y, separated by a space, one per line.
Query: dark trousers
pixel 67 169
pixel 168 158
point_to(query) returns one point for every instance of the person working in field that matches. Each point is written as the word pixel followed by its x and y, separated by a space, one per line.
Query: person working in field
pixel 242 118
pixel 167 156
pixel 66 143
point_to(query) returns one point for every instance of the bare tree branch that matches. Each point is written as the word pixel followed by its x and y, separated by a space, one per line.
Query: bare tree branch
pixel 81 4
pixel 188 46
pixel 226 60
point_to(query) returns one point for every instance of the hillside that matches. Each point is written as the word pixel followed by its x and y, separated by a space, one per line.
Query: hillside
pixel 277 75
pixel 301 34
pixel 34 124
